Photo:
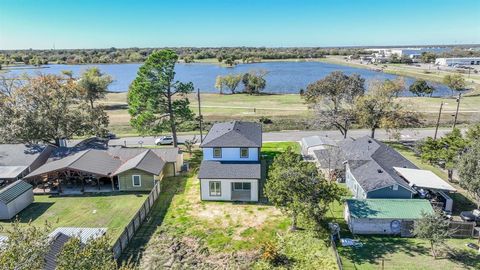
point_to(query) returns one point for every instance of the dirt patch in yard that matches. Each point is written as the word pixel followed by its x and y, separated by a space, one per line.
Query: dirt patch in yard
pixel 239 216
pixel 168 252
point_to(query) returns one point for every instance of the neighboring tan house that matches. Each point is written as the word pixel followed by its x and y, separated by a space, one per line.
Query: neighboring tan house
pixel 231 168
pixel 18 160
pixel 369 170
pixel 385 216
pixel 94 165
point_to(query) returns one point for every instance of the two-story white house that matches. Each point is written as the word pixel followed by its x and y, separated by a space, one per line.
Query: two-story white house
pixel 231 168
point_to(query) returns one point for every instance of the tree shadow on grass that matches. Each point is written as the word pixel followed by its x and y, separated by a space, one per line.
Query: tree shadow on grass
pixel 33 211
pixel 169 188
pixel 466 258
pixel 377 247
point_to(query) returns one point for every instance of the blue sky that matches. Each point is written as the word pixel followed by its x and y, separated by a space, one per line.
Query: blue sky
pixel 39 24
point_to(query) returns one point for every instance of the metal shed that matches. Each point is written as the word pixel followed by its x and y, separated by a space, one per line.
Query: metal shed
pixel 14 198
pixel 384 216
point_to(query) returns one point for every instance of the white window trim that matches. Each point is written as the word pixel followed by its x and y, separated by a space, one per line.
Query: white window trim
pixel 139 178
pixel 219 189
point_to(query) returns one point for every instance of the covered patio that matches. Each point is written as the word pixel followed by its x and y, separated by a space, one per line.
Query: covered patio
pixel 86 171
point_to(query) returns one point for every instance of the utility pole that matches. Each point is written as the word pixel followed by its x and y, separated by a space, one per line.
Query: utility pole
pixel 456 113
pixel 200 117
pixel 438 120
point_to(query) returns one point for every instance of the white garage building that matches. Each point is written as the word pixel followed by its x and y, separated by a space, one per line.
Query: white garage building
pixel 461 61
pixel 14 198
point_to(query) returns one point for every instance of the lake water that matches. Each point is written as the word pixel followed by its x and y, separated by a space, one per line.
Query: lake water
pixel 282 78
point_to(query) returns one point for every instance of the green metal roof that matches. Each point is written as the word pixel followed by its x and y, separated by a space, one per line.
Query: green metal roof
pixel 12 191
pixel 389 208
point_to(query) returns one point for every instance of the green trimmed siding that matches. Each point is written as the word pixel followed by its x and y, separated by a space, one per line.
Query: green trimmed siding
pixel 125 181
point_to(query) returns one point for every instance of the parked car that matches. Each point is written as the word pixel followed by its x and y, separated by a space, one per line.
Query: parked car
pixel 471 216
pixel 110 136
pixel 164 140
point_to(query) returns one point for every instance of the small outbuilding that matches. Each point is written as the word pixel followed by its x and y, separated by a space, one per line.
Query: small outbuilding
pixel 309 144
pixel 14 198
pixel 385 216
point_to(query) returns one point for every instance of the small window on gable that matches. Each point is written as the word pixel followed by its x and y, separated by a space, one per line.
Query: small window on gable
pixel 136 180
pixel 217 152
pixel 395 187
pixel 244 152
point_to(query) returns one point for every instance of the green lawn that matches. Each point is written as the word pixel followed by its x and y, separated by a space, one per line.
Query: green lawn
pixel 111 211
pixel 224 234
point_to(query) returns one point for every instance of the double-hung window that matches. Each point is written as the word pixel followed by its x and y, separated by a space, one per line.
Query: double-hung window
pixel 217 152
pixel 136 180
pixel 215 189
pixel 244 152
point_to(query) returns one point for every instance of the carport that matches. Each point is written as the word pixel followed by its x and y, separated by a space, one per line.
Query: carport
pixel 427 180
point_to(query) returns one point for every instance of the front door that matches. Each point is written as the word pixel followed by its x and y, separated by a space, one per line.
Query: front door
pixel 241 191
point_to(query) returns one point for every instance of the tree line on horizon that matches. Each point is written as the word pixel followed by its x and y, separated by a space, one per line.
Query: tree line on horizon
pixel 227 55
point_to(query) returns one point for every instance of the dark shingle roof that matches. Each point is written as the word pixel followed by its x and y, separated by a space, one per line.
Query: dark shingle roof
pixel 168 154
pixel 93 161
pixel 60 236
pixel 147 161
pixel 95 157
pixel 234 134
pixel 19 154
pixel 56 247
pixel 371 162
pixel 330 158
pixel 210 169
pixel 12 191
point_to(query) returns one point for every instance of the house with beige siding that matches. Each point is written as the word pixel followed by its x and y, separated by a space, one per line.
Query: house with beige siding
pixel 231 168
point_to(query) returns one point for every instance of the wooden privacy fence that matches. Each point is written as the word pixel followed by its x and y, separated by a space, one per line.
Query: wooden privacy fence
pixel 462 229
pixel 337 256
pixel 137 220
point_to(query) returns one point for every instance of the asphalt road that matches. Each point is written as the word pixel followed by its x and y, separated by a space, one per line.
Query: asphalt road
pixel 297 135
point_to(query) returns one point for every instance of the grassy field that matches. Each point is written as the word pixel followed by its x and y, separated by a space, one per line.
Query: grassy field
pixel 285 111
pixel 223 234
pixel 111 211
